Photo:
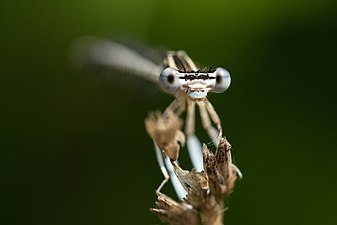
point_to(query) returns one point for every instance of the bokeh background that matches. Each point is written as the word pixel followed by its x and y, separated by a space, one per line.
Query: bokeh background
pixel 72 154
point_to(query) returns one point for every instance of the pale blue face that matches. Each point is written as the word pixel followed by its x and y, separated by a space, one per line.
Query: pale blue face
pixel 195 84
pixel 197 94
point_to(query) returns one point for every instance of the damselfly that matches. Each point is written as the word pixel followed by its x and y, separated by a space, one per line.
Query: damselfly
pixel 176 74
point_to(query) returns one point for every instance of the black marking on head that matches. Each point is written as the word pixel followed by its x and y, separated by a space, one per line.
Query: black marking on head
pixel 196 76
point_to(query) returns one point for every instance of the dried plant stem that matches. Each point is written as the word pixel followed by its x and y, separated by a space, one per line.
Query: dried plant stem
pixel 207 190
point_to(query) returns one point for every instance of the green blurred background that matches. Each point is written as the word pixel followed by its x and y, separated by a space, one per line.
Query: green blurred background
pixel 71 154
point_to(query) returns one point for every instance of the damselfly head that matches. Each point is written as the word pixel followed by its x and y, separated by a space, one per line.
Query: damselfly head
pixel 195 84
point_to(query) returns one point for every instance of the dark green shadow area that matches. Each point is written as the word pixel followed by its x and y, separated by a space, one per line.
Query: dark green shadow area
pixel 73 154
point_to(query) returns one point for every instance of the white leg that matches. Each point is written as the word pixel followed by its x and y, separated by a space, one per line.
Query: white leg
pixel 193 143
pixel 159 156
pixel 168 172
pixel 238 171
pixel 195 152
pixel 178 187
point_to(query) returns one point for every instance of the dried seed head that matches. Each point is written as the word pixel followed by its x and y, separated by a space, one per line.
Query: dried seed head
pixel 166 133
pixel 207 189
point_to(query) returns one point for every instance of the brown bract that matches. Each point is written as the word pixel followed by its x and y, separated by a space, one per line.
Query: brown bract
pixel 166 133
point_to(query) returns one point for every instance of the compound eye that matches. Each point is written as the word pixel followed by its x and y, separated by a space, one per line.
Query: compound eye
pixel 222 80
pixel 169 80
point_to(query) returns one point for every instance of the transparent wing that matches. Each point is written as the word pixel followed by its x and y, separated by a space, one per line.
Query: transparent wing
pixel 99 53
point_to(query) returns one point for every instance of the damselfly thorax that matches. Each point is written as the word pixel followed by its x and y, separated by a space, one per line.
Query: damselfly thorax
pixel 176 74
